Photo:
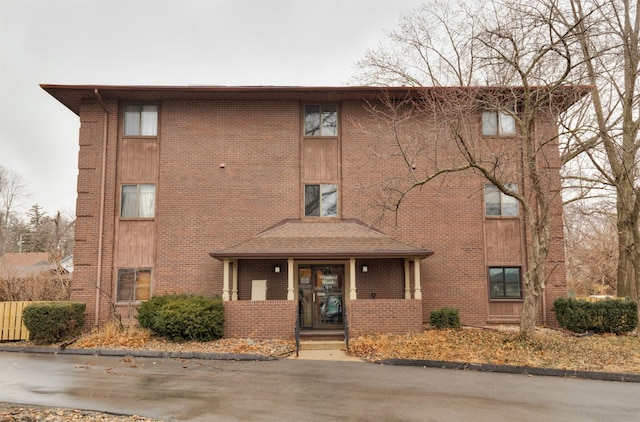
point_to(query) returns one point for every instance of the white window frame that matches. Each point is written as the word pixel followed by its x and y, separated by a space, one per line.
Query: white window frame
pixel 140 120
pixel 498 123
pixel 138 203
pixel 508 205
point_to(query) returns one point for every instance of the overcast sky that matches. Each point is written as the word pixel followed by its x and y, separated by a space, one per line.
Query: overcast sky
pixel 172 42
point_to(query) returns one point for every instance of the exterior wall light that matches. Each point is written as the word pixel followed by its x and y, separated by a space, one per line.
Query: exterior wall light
pixel 365 268
pixel 276 269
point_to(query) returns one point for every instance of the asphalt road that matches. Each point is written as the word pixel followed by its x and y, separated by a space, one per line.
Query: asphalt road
pixel 305 390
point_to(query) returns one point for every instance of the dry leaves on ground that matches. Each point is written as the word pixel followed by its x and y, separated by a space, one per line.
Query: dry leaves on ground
pixel 137 338
pixel 548 349
pixel 500 346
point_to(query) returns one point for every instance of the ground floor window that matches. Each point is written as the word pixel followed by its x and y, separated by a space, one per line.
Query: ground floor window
pixel 133 284
pixel 505 283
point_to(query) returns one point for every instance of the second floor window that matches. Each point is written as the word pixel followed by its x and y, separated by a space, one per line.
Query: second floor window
pixel 498 123
pixel 496 203
pixel 140 120
pixel 321 120
pixel 321 200
pixel 138 201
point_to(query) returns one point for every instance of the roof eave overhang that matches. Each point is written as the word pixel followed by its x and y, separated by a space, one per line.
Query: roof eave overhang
pixel 72 96
pixel 322 255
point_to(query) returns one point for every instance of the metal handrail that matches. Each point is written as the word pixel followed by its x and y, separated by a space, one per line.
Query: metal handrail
pixel 297 331
pixel 346 331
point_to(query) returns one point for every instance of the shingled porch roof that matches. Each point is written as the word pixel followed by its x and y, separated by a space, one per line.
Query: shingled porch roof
pixel 335 239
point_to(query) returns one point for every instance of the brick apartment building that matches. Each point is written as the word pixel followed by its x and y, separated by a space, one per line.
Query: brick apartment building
pixel 262 195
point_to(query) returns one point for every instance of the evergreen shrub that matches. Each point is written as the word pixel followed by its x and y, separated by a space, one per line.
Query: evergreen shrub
pixel 445 318
pixel 183 317
pixel 51 322
pixel 605 316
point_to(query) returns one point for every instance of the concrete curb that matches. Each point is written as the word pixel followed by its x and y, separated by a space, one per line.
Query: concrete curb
pixel 136 353
pixel 520 370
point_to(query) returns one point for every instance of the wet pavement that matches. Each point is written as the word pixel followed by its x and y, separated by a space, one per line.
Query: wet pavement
pixel 301 389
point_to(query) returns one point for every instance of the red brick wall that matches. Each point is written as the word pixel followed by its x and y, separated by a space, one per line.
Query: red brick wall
pixel 85 279
pixel 385 278
pixel 249 270
pixel 202 206
pixel 394 316
pixel 445 216
pixel 274 319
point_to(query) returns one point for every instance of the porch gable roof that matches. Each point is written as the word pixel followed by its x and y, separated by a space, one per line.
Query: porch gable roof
pixel 341 239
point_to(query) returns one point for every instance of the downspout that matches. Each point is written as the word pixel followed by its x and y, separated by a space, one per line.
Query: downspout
pixel 103 182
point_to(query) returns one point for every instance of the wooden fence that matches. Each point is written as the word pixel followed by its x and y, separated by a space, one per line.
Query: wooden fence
pixel 11 325
pixel 599 298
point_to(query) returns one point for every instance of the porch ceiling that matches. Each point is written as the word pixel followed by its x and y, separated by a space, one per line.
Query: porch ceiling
pixel 336 239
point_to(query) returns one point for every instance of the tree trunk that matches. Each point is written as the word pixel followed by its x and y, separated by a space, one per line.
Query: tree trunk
pixel 627 254
pixel 534 279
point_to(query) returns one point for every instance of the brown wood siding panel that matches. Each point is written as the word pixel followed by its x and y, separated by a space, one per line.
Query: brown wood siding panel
pixel 505 309
pixel 138 160
pixel 320 160
pixel 136 244
pixel 503 242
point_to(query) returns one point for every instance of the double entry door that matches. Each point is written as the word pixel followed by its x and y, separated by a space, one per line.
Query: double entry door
pixel 320 296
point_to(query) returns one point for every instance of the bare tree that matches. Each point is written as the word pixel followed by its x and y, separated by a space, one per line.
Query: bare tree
pixel 12 191
pixel 62 236
pixel 592 248
pixel 608 35
pixel 510 43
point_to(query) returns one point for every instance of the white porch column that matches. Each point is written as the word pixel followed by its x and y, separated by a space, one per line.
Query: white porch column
pixel 352 279
pixel 290 293
pixel 416 275
pixel 407 280
pixel 234 288
pixel 225 280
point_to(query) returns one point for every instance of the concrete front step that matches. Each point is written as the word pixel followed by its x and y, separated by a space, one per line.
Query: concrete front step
pixel 322 345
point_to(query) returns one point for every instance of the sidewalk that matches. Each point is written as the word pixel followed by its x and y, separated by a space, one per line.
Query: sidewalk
pixel 334 355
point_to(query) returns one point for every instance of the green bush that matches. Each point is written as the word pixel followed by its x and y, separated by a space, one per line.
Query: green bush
pixel 606 316
pixel 445 318
pixel 183 317
pixel 51 322
pixel 149 309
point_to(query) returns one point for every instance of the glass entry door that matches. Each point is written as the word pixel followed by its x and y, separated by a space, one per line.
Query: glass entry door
pixel 321 304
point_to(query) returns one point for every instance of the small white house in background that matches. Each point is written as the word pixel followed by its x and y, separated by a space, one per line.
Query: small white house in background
pixel 67 264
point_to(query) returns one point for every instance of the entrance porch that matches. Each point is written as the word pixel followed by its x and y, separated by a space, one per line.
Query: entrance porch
pixel 341 276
